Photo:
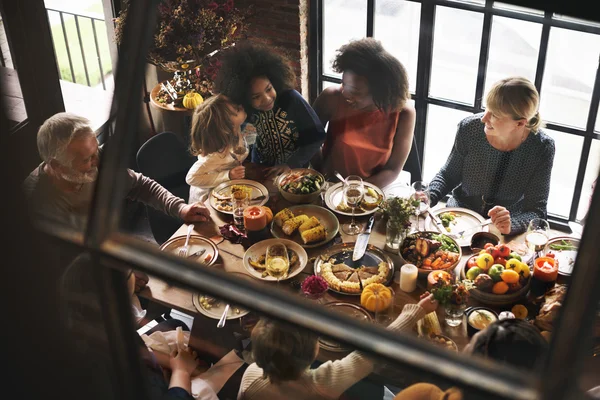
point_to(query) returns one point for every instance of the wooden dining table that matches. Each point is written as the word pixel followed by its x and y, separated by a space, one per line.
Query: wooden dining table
pixel 215 342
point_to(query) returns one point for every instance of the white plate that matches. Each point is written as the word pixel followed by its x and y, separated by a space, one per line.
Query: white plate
pixel 335 195
pixel 224 189
pixel 216 311
pixel 565 258
pixel 197 243
pixel 465 219
pixel 398 190
pixel 260 248
pixel 328 220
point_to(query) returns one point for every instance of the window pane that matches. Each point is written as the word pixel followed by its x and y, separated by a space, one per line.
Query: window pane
pixel 327 84
pixel 343 20
pixel 514 48
pixel 473 2
pixel 5 56
pixel 573 19
pixel 564 172
pixel 512 7
pixel 396 20
pixel 439 138
pixel 591 174
pixel 569 76
pixel 457 39
pixel 597 129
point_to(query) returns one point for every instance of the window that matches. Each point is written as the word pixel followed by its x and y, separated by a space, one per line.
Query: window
pixel 472 44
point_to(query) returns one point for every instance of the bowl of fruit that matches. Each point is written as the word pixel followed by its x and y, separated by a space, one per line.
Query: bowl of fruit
pixel 499 276
pixel 301 185
pixel 430 251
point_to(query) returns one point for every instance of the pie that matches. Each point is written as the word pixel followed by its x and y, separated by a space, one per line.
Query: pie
pixel 343 278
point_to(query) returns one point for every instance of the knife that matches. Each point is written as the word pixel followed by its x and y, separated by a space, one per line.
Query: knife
pixel 438 224
pixel 198 253
pixel 363 240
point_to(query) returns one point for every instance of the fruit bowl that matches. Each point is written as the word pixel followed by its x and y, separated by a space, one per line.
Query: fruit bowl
pixel 296 180
pixel 492 299
pixel 421 257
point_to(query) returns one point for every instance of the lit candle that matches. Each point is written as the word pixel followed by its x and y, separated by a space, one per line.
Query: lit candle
pixel 255 218
pixel 408 278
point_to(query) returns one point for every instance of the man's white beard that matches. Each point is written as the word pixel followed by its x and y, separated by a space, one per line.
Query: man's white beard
pixel 80 177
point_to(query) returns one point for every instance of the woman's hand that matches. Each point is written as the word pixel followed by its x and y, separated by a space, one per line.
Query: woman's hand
pixel 185 361
pixel 276 170
pixel 428 303
pixel 237 172
pixel 196 212
pixel 501 219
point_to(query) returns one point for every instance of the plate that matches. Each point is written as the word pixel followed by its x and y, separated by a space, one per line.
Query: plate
pixel 351 310
pixel 342 253
pixel 464 220
pixel 216 311
pixel 326 217
pixel 565 258
pixel 335 195
pixel 260 248
pixel 197 243
pixel 399 189
pixel 224 189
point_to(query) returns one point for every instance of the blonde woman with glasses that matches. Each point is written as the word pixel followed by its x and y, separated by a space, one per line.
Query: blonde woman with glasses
pixel 501 161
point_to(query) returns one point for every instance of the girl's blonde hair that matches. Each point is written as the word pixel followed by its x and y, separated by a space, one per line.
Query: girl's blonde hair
pixel 518 98
pixel 212 130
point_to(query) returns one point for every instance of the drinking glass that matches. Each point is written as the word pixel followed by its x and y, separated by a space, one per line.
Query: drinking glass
pixel 537 236
pixel 277 261
pixel 421 193
pixel 240 202
pixel 240 150
pixel 354 191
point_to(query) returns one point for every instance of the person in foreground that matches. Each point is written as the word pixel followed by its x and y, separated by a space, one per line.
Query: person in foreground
pixel 62 186
pixel 513 342
pixel 283 355
pixel 501 161
pixel 371 126
pixel 215 137
pixel 289 132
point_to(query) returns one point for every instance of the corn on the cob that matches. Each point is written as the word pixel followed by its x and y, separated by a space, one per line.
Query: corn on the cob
pixel 292 224
pixel 430 324
pixel 313 235
pixel 283 216
pixel 237 190
pixel 313 222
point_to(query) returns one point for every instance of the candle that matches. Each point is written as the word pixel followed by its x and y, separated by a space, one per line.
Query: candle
pixel 255 218
pixel 408 278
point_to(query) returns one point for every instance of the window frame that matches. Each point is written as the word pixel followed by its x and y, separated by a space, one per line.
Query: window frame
pixel 424 66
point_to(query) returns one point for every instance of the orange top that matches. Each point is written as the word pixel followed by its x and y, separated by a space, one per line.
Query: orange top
pixel 359 144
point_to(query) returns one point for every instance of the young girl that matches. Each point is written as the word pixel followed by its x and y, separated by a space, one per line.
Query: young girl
pixel 215 134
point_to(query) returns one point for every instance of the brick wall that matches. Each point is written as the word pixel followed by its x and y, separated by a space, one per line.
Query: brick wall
pixel 282 23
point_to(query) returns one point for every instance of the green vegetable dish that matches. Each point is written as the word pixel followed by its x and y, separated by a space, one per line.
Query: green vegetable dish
pixel 447 219
pixel 301 183
pixel 563 245
pixel 447 243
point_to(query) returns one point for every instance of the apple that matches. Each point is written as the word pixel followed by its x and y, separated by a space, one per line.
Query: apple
pixel 500 260
pixel 473 272
pixel 495 252
pixel 485 261
pixel 504 250
pixel 488 245
pixel 472 262
pixel 513 264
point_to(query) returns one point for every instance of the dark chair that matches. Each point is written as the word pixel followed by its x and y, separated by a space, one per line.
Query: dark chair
pixel 165 159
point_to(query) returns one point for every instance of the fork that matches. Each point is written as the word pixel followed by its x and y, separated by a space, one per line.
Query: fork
pixel 183 251
pixel 484 223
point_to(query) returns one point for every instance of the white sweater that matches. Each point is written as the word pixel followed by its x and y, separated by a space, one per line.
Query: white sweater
pixel 330 379
pixel 209 171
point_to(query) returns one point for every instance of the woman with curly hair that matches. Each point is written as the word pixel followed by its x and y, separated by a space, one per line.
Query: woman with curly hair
pixel 289 132
pixel 371 127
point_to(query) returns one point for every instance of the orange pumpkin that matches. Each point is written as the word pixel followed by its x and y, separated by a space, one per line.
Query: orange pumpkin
pixel 269 213
pixel 376 297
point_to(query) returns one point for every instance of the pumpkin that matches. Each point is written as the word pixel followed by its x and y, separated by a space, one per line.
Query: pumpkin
pixel 376 297
pixel 192 100
pixel 269 213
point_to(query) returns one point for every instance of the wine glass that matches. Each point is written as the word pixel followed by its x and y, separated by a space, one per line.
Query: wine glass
pixel 354 191
pixel 421 193
pixel 537 236
pixel 277 261
pixel 240 150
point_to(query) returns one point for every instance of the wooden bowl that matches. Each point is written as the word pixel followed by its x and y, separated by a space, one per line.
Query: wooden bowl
pixel 495 299
pixel 481 238
pixel 300 198
pixel 422 271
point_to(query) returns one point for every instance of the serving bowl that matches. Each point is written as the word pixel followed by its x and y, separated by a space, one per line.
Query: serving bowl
pixel 469 312
pixel 409 259
pixel 480 239
pixel 300 198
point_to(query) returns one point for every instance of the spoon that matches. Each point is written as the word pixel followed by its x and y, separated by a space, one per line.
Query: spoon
pixel 339 176
pixel 221 322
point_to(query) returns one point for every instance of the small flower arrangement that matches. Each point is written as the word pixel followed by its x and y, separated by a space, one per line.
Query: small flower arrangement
pixel 398 211
pixel 455 294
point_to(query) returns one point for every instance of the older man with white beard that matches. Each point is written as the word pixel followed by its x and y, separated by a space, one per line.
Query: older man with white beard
pixel 62 186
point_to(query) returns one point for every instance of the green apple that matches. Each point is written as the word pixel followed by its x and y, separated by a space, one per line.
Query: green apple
pixel 495 272
pixel 473 272
pixel 485 261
